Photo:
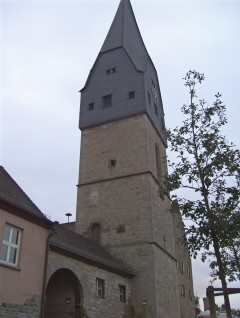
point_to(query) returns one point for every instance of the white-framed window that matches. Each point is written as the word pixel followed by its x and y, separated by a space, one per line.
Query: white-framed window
pixel 122 293
pixel 10 245
pixel 100 287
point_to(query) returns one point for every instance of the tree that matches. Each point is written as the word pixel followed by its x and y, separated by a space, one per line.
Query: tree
pixel 208 166
pixel 197 305
pixel 234 311
pixel 231 260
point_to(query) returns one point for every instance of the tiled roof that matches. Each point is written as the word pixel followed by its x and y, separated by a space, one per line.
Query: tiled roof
pixel 79 245
pixel 11 192
pixel 124 32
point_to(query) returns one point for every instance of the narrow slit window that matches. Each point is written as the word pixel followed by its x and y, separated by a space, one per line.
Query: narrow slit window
pixel 107 100
pixel 159 171
pixel 96 233
pixel 114 70
pixel 149 98
pixel 182 290
pixel 156 110
pixel 108 72
pixel 131 95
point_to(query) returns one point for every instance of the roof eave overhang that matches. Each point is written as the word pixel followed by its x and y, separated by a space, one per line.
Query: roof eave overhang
pixel 89 261
pixel 25 214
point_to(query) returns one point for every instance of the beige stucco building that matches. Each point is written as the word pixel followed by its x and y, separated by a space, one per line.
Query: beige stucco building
pixel 24 238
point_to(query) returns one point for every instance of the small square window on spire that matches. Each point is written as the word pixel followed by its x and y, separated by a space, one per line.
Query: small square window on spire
pixel 131 95
pixel 107 100
pixel 91 106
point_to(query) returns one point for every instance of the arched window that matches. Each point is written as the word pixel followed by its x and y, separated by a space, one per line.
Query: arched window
pixel 96 232
pixel 159 170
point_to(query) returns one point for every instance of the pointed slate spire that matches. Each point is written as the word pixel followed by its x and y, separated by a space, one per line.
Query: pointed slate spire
pixel 124 33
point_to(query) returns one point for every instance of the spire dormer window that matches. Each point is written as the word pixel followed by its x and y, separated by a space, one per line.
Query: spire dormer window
pixel 111 71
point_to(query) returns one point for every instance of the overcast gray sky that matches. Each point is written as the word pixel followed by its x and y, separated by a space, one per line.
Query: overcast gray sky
pixel 49 47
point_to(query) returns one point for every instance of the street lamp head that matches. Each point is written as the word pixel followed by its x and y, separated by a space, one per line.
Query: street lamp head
pixel 68 214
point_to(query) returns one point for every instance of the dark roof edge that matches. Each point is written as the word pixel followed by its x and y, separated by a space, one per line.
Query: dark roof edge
pixel 24 193
pixel 90 261
pixel 138 29
pixel 24 213
pixel 20 204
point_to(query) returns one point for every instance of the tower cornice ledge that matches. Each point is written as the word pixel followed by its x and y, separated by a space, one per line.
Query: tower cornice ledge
pixel 126 116
pixel 141 243
pixel 118 177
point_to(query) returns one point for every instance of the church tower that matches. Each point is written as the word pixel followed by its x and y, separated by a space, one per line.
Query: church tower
pixel 120 201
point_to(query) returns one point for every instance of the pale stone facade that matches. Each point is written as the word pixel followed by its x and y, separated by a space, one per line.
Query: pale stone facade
pixel 127 197
pixel 97 307
pixel 184 266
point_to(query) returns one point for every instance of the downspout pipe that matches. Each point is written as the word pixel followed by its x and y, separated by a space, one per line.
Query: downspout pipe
pixel 52 232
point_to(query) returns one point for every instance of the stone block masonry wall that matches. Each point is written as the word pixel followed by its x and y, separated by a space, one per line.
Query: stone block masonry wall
pixel 125 195
pixel 124 140
pixel 136 225
pixel 184 268
pixel 30 309
pixel 96 307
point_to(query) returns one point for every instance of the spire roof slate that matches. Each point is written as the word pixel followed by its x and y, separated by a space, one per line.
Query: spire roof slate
pixel 124 32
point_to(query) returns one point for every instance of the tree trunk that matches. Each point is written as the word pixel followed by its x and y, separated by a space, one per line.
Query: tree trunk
pixel 221 275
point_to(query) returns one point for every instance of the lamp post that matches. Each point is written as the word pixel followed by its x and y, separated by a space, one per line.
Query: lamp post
pixel 68 214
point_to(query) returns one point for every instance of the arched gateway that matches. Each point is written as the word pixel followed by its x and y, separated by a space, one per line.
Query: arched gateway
pixel 64 296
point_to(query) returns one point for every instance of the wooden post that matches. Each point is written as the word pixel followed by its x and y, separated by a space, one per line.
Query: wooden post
pixel 210 295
